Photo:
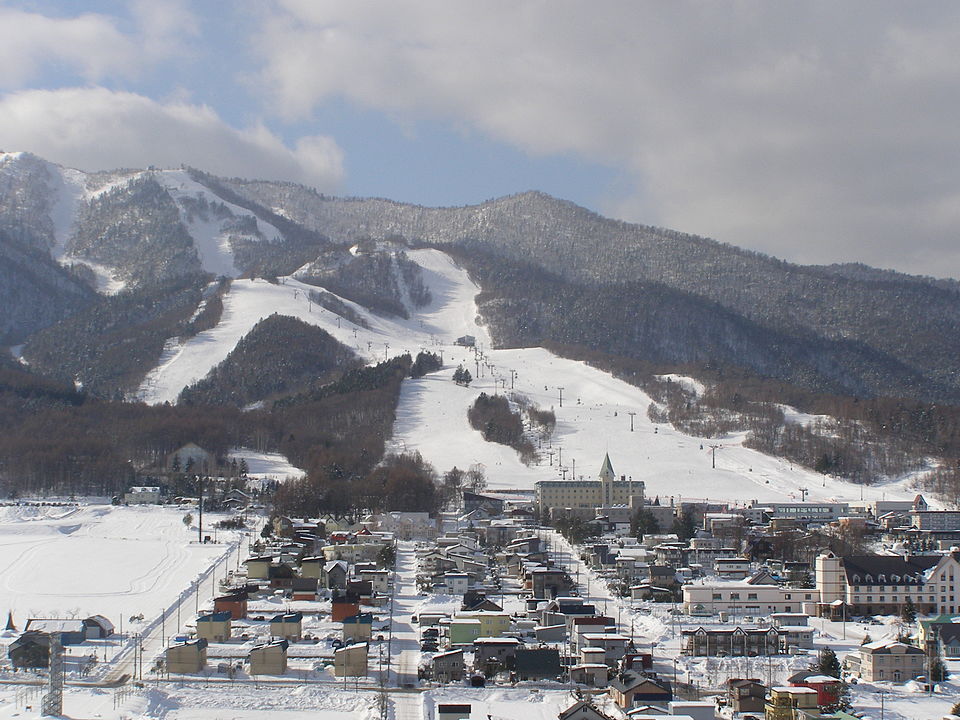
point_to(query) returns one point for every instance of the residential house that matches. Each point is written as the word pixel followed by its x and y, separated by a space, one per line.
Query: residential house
pixel 234 603
pixel 888 661
pixel 30 650
pixel 281 576
pixel 550 582
pixel 351 661
pixel 614 646
pixel 408 525
pixel 448 666
pixel 304 589
pixel 464 631
pixel 492 623
pixel 335 573
pixel 358 628
pixel 828 688
pixel 269 659
pixel 258 568
pixel 500 651
pixel 725 641
pixel 343 605
pixel 589 674
pixel 312 567
pixel 537 664
pixel 187 657
pixel 583 709
pixel 379 580
pixel 457 583
pixel 288 626
pixel 214 627
pixel 789 703
pixel 746 695
pixel 631 688
pixel 798 636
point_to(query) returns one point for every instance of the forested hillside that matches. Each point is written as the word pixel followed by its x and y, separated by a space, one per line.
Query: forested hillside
pixel 866 318
pixel 280 356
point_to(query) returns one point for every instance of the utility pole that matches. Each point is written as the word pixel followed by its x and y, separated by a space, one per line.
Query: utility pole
pixel 631 414
pixel 803 494
pixel 200 522
pixel 561 396
pixel 386 347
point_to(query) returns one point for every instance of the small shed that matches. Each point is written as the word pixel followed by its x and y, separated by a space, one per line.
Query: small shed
pixel 351 661
pixel 187 657
pixel 214 627
pixel 98 627
pixel 358 627
pixel 269 659
pixel 288 626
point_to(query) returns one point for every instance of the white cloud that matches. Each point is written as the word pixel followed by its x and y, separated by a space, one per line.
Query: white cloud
pixel 91 46
pixel 97 129
pixel 816 131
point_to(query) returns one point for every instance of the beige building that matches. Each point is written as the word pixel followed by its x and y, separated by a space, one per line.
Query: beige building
pixel 269 659
pixel 790 703
pixel 605 491
pixel 742 598
pixel 882 584
pixel 351 661
pixel 188 657
pixel 888 661
pixel 215 627
pixel 288 626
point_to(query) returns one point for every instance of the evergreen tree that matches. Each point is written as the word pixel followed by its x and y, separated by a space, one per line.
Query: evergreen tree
pixel 826 663
pixel 909 612
pixel 643 523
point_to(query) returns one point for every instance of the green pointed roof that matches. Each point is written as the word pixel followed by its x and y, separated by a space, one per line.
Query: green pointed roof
pixel 607 469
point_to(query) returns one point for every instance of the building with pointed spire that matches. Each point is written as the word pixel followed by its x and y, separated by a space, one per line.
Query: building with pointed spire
pixel 581 498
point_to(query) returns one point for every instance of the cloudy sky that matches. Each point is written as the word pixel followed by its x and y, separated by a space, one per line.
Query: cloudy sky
pixel 814 131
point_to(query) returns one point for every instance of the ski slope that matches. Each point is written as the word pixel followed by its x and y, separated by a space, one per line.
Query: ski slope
pixel 432 414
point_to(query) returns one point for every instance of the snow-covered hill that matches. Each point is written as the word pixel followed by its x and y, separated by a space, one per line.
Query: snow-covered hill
pixel 432 416
pixel 65 203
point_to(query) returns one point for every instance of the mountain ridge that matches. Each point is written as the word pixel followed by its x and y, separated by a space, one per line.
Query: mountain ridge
pixel 880 332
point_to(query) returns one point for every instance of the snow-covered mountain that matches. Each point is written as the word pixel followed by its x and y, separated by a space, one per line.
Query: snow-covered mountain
pixel 109 281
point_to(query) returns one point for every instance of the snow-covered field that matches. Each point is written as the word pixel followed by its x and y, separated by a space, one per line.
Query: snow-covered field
pixel 97 559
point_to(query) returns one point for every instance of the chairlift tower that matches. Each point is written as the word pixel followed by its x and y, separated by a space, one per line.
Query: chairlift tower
pixel 52 702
